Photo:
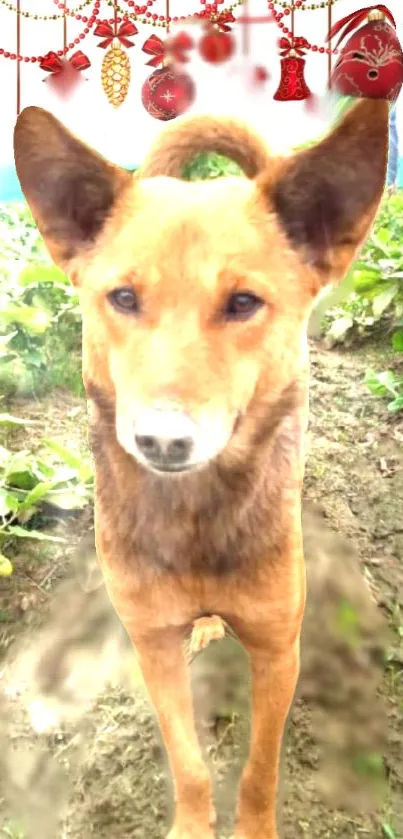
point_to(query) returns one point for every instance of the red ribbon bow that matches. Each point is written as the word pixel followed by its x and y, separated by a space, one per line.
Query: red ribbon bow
pixel 353 20
pixel 223 20
pixel 173 47
pixel 108 33
pixel 299 45
pixel 52 63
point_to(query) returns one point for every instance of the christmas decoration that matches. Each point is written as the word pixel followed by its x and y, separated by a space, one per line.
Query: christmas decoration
pixel 64 74
pixel 167 93
pixel 115 73
pixel 293 86
pixel 371 62
pixel 216 47
pixel 173 48
pixel 16 56
pixel 288 33
pixel 259 76
pixel 217 44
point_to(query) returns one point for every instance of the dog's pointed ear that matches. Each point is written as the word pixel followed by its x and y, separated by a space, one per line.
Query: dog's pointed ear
pixel 326 197
pixel 69 188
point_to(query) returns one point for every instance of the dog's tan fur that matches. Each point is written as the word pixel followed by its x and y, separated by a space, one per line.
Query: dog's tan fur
pixel 223 541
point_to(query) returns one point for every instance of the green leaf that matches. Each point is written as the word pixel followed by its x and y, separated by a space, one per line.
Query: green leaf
pixel 37 494
pixel 36 274
pixel 396 404
pixel 83 469
pixel 21 533
pixel 340 327
pixel 73 460
pixel 67 499
pixel 381 240
pixel 8 503
pixel 374 384
pixel 384 299
pixel 397 340
pixel 366 280
pixel 31 318
pixel 6 568
pixel 388 831
pixel 9 419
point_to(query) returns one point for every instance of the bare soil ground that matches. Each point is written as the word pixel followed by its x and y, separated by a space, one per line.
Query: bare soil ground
pixel 80 754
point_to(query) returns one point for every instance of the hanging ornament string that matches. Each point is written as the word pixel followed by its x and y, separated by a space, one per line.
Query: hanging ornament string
pixel 65 27
pixel 38 58
pixel 304 7
pixel 278 19
pixel 329 54
pixel 18 53
pixel 18 11
pixel 245 30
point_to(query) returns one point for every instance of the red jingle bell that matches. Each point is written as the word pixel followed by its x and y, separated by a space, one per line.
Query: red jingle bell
pixel 292 86
pixel 371 63
pixel 216 47
pixel 167 93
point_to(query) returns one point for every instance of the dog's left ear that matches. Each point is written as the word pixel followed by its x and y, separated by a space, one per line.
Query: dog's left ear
pixel 70 189
pixel 326 197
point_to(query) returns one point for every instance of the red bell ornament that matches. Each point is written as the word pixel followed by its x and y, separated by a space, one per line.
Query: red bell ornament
pixel 371 62
pixel 167 93
pixel 292 86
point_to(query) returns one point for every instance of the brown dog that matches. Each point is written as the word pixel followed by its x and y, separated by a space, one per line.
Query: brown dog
pixel 195 300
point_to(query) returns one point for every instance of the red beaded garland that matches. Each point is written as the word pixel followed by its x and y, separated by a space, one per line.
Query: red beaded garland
pixel 278 16
pixel 33 58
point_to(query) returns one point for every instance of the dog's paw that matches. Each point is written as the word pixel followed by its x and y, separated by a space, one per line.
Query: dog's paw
pixel 205 630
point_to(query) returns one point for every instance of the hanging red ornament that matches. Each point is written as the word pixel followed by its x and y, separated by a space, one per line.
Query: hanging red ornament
pixel 259 76
pixel 292 86
pixel 167 93
pixel 64 74
pixel 217 44
pixel 371 62
pixel 174 49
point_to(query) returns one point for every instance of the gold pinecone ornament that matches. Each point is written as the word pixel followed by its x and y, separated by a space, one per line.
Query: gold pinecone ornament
pixel 115 74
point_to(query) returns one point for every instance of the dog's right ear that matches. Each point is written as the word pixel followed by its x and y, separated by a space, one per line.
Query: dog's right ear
pixel 70 189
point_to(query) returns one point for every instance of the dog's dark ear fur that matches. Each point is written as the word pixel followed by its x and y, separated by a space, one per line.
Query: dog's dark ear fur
pixel 70 189
pixel 327 196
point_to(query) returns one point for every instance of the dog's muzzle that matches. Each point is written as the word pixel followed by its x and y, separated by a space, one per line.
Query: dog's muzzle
pixel 166 439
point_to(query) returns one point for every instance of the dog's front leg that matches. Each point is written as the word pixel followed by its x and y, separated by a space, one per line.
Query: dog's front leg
pixel 165 671
pixel 274 678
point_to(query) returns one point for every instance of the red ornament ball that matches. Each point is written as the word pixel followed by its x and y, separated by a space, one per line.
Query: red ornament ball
pixel 370 64
pixel 216 47
pixel 167 93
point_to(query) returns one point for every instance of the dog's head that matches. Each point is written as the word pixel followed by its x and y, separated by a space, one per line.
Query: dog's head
pixel 196 296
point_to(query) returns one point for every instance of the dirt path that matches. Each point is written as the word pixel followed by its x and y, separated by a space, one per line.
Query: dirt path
pixel 100 770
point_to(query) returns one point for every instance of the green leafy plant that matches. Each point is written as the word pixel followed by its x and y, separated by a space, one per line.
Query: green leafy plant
pixel 40 322
pixel 376 281
pixel 386 384
pixel 208 165
pixel 35 489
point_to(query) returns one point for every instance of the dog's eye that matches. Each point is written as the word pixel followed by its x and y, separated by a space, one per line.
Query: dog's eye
pixel 124 300
pixel 242 306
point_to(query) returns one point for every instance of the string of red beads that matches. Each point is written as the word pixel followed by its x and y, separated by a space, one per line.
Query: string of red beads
pixel 33 58
pixel 278 18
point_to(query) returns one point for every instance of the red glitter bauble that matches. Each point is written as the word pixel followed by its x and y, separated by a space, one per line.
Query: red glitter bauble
pixel 370 64
pixel 216 47
pixel 167 93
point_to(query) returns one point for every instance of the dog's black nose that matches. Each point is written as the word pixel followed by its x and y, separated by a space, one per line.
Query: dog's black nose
pixel 164 453
pixel 165 439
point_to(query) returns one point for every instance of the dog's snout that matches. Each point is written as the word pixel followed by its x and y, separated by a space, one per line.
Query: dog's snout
pixel 165 439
